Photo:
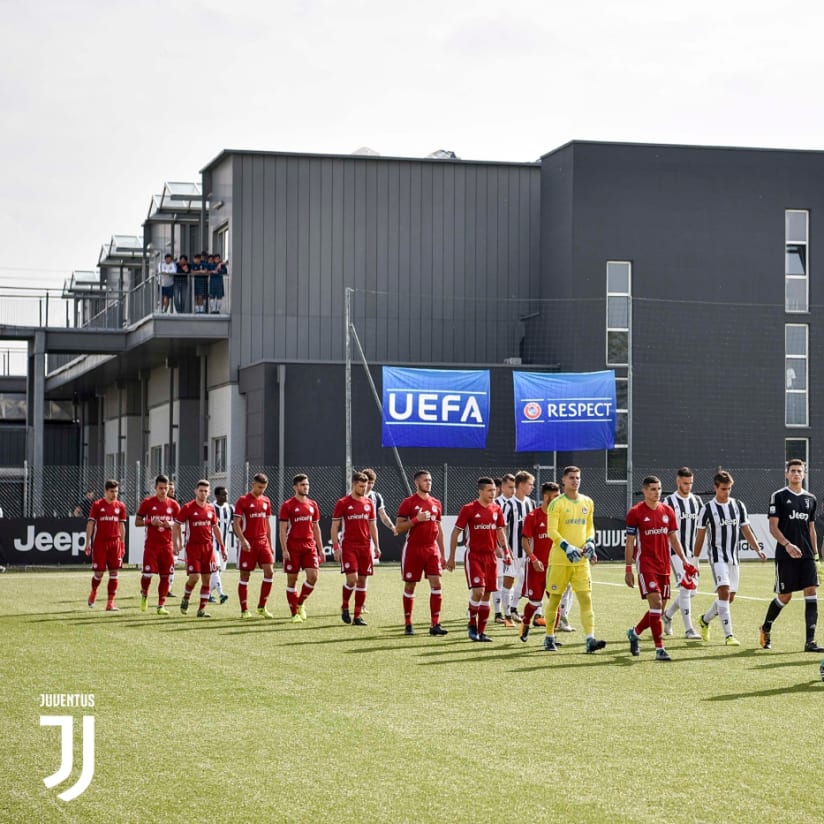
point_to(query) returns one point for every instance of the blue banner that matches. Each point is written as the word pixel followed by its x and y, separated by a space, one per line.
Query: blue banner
pixel 564 412
pixel 435 407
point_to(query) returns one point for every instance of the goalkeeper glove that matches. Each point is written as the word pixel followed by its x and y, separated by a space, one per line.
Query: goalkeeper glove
pixel 690 570
pixel 589 550
pixel 572 552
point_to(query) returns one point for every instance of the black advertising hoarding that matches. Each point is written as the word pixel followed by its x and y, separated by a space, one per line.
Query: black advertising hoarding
pixel 42 541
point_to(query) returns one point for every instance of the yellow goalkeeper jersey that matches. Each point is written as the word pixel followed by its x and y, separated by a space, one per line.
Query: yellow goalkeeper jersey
pixel 570 520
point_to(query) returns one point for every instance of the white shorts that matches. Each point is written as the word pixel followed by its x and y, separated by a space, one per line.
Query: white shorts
pixel 516 569
pixel 725 575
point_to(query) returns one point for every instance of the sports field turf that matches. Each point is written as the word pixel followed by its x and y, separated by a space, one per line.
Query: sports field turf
pixel 267 721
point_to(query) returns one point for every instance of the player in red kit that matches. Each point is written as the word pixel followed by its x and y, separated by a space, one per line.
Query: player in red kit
pixel 301 545
pixel 355 512
pixel 537 545
pixel 484 521
pixel 200 518
pixel 157 514
pixel 652 528
pixel 254 535
pixel 105 541
pixel 419 516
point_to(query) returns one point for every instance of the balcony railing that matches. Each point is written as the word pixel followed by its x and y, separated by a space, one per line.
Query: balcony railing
pixel 110 308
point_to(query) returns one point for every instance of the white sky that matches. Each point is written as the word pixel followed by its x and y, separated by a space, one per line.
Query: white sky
pixel 104 100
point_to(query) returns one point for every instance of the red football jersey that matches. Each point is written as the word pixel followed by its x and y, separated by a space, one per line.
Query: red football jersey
pixel 651 528
pixel 299 516
pixel 254 515
pixel 482 522
pixel 535 527
pixel 355 513
pixel 423 533
pixel 199 520
pixel 159 537
pixel 107 518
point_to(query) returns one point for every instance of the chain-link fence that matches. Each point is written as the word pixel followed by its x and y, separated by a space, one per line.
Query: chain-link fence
pixel 67 488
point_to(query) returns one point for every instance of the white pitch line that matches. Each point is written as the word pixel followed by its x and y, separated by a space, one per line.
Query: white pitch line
pixel 698 592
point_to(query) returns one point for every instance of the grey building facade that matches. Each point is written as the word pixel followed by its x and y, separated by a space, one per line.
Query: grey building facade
pixel 688 270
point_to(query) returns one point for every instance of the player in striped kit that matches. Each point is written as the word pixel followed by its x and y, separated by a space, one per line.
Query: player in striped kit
pixel 506 490
pixel 515 511
pixel 225 517
pixel 721 522
pixel 686 507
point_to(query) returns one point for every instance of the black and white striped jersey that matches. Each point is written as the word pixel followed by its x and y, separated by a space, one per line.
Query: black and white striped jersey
pixel 723 524
pixel 225 519
pixel 686 512
pixel 515 512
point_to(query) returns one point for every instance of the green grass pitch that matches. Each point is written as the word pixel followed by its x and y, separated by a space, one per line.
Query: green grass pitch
pixel 266 721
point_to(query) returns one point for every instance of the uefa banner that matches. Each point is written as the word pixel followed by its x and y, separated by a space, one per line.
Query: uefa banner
pixel 564 412
pixel 435 407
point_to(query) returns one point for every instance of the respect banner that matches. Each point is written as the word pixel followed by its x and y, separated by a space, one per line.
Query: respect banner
pixel 564 412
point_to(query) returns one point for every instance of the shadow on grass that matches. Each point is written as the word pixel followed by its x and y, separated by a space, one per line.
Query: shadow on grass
pixel 804 687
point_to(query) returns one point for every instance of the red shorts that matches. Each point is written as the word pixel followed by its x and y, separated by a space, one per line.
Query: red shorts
pixel 107 555
pixel 301 557
pixel 158 560
pixel 417 562
pixel 200 559
pixel 653 580
pixel 356 559
pixel 534 583
pixel 481 570
pixel 258 554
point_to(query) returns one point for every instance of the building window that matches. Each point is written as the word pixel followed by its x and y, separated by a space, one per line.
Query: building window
pixel 797 448
pixel 618 309
pixel 617 465
pixel 220 241
pixel 114 460
pixel 155 460
pixel 219 455
pixel 796 260
pixel 796 412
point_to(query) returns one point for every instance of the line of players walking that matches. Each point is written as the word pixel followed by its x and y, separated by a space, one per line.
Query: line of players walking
pixel 513 549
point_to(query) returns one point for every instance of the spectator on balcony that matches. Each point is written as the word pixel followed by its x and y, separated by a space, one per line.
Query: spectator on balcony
pixel 201 283
pixel 166 275
pixel 216 288
pixel 181 285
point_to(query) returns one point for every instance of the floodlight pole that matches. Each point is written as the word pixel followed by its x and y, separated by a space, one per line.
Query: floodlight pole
pixel 347 318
